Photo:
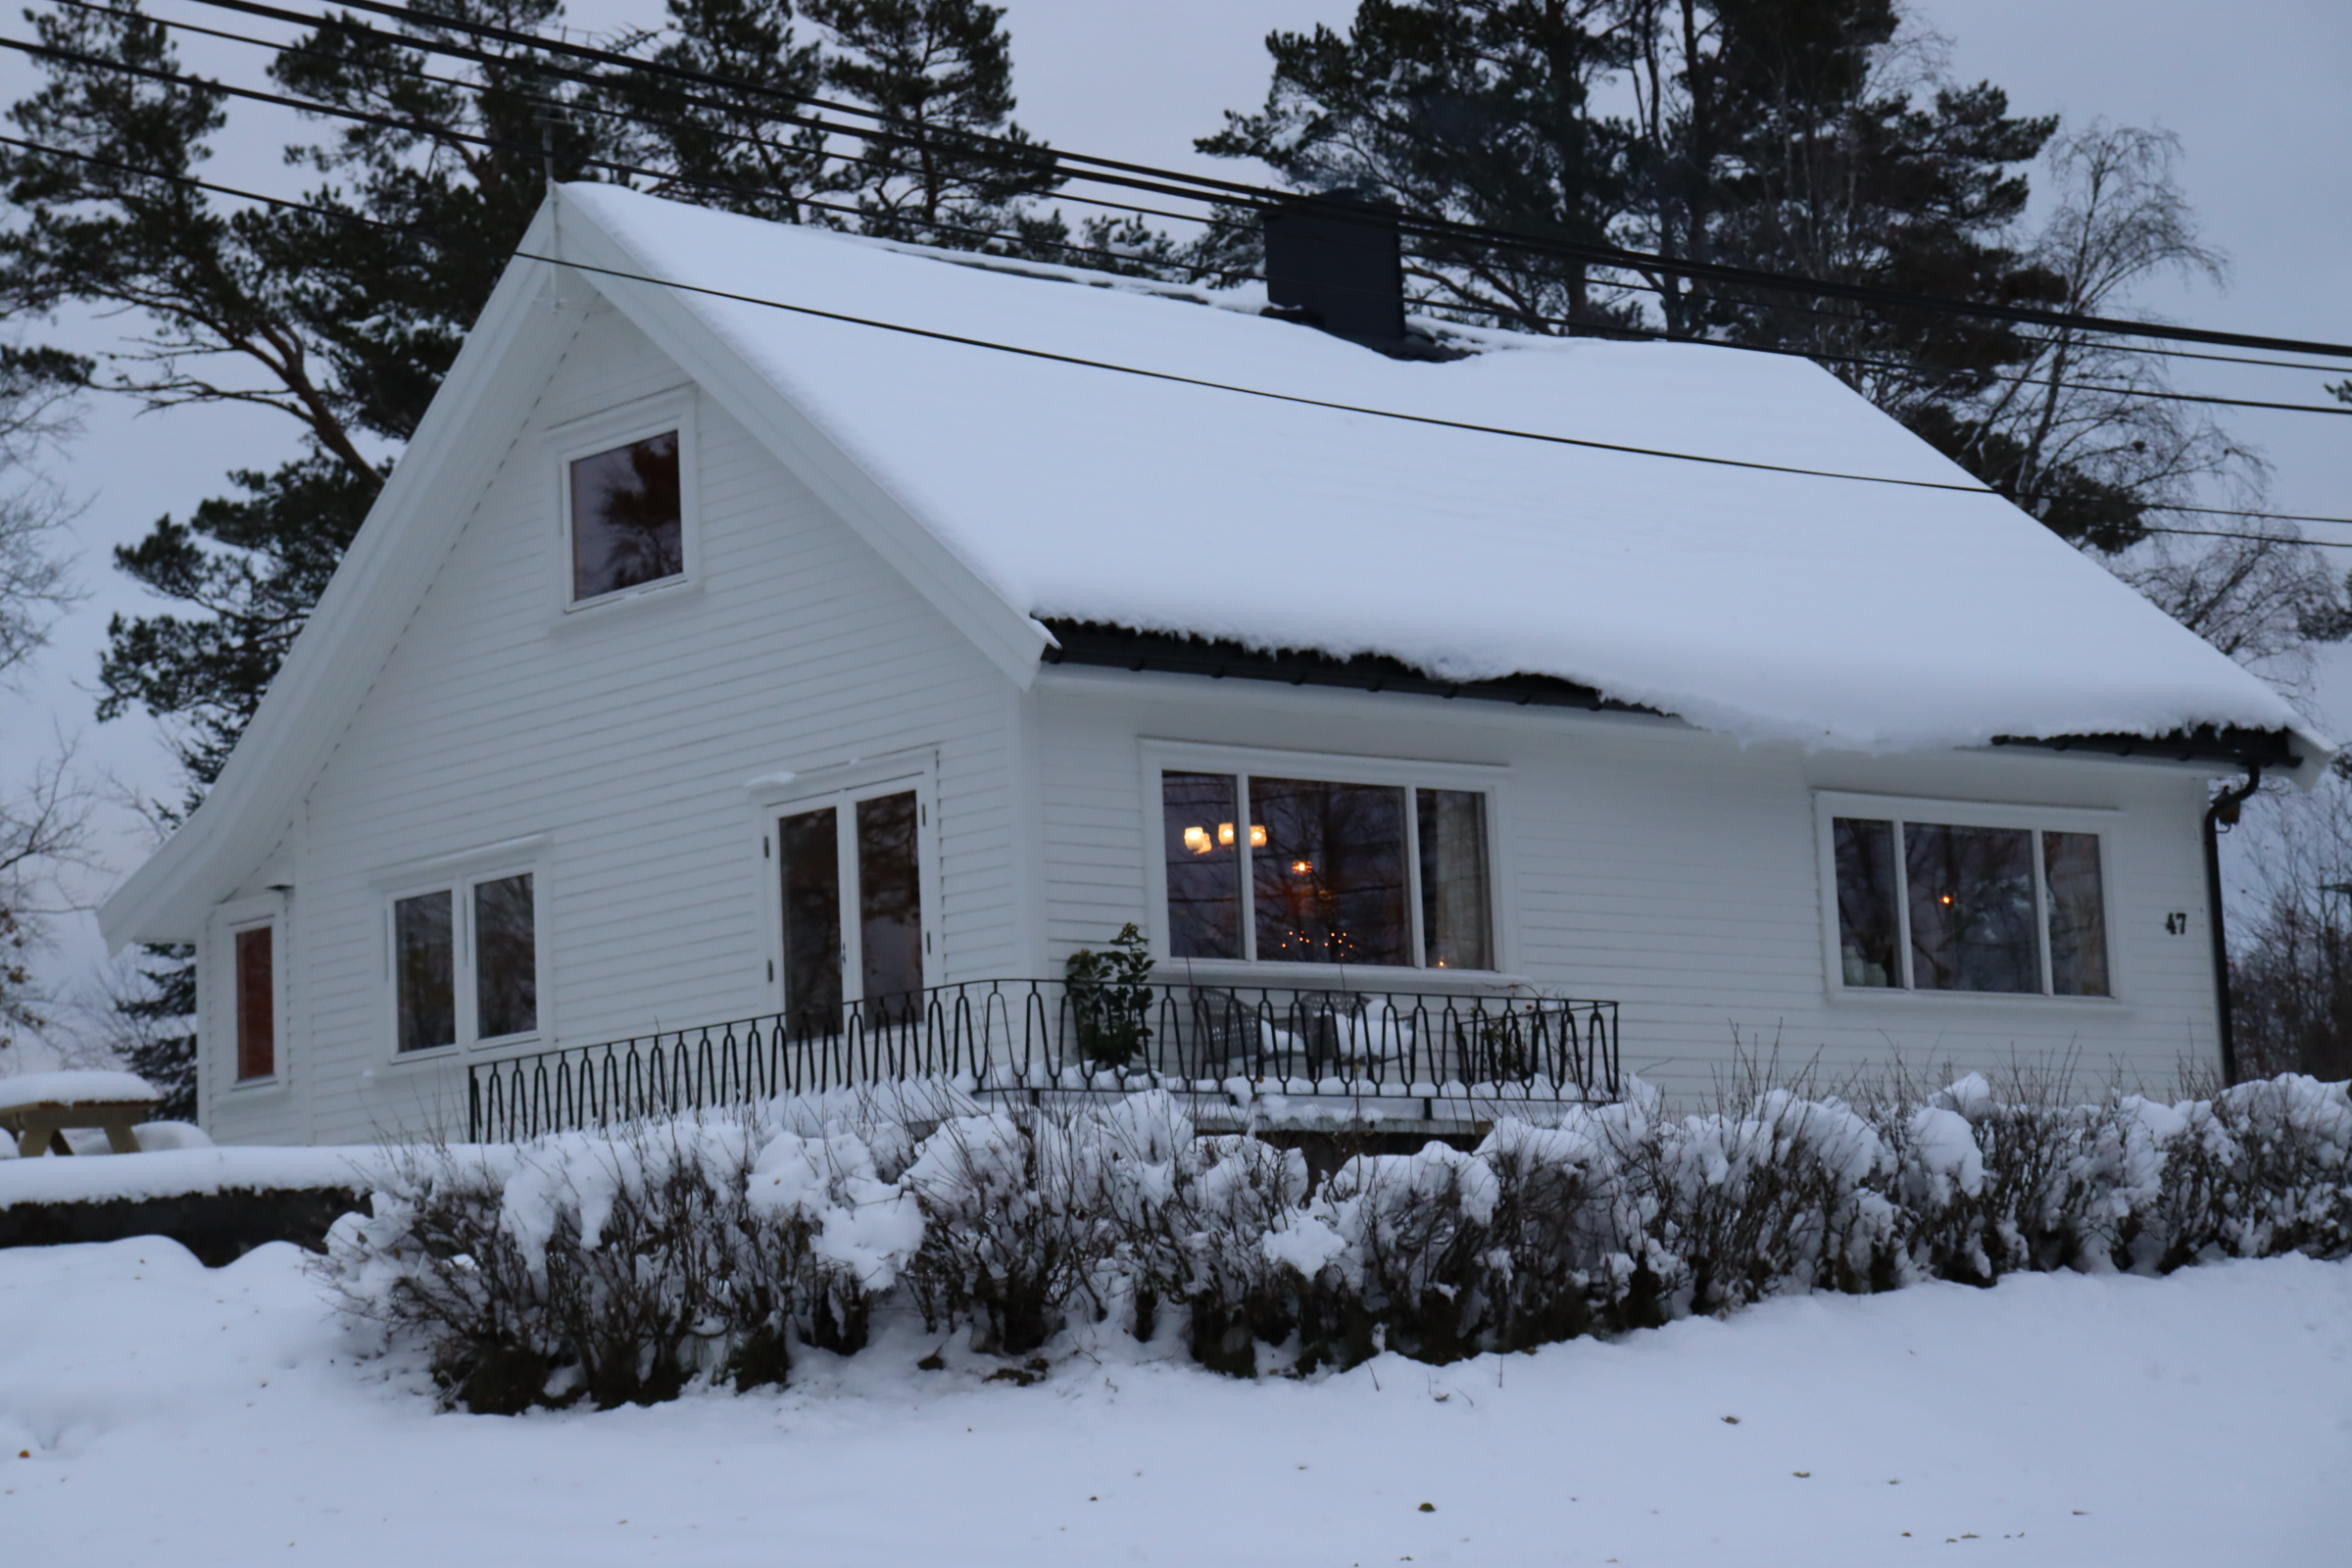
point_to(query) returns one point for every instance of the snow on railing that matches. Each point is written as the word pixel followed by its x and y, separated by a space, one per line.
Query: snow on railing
pixel 1032 1037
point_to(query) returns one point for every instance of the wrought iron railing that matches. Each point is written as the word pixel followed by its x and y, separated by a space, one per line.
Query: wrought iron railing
pixel 1038 1036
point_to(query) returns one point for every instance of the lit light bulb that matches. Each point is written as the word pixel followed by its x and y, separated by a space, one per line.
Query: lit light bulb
pixel 1301 867
pixel 1946 898
pixel 1225 834
pixel 1257 835
pixel 1196 839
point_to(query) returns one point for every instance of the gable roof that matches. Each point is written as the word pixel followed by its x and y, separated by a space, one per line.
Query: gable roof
pixel 1765 605
pixel 1436 515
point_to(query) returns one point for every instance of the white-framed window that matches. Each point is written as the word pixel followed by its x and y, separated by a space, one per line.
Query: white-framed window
pixel 465 961
pixel 251 975
pixel 626 498
pixel 1961 897
pixel 1324 861
pixel 849 861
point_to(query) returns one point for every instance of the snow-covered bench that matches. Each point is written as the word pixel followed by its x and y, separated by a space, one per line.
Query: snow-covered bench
pixel 39 1107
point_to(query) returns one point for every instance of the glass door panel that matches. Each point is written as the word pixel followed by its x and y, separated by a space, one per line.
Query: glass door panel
pixel 808 849
pixel 890 898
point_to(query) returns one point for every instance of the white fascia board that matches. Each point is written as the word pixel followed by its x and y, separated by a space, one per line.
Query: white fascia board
pixel 2318 753
pixel 1007 634
pixel 434 489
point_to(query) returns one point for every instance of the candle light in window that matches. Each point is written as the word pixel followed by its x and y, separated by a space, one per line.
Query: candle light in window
pixel 1225 834
pixel 1257 835
pixel 1946 898
pixel 1301 867
pixel 1196 839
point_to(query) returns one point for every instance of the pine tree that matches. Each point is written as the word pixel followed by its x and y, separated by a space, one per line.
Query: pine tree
pixel 939 73
pixel 347 328
pixel 346 321
pixel 1783 135
pixel 158 1032
pixel 1473 110
pixel 762 144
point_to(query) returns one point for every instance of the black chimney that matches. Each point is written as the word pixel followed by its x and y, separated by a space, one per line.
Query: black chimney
pixel 1334 261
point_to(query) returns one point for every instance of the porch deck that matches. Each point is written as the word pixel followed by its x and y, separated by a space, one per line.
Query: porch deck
pixel 1334 1056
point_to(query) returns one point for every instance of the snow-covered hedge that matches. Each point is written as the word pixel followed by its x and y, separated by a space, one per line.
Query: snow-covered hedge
pixel 620 1269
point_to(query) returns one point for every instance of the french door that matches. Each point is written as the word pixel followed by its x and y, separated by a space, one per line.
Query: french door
pixel 852 884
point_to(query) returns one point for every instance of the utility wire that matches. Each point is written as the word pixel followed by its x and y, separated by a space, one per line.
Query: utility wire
pixel 431 237
pixel 1175 183
pixel 1012 237
pixel 568 107
pixel 1644 334
pixel 430 131
pixel 1020 351
pixel 1029 152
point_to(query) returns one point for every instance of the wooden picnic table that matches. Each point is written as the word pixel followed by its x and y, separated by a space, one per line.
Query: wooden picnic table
pixel 38 1109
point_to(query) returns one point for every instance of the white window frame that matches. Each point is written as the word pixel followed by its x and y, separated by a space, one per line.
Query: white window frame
pixel 593 434
pixel 1488 779
pixel 458 875
pixel 784 792
pixel 1899 810
pixel 248 914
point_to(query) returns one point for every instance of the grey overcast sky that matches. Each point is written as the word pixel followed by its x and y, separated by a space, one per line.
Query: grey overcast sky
pixel 2259 91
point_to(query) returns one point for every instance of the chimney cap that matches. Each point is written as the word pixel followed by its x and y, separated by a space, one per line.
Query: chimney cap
pixel 1335 257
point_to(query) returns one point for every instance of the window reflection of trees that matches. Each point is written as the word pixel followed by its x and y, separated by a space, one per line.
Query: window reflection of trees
pixel 424 943
pixel 1972 907
pixel 1330 884
pixel 626 521
pixel 890 902
pixel 808 848
pixel 506 958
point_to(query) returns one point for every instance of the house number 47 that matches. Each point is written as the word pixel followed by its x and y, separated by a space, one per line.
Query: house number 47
pixel 2176 922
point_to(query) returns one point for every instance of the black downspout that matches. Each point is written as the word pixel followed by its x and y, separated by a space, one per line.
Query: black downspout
pixel 2224 813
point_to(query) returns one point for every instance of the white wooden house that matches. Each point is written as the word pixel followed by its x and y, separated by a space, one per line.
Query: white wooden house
pixel 765 619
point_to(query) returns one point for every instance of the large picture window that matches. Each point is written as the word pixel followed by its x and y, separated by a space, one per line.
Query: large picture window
pixel 1958 906
pixel 1288 870
pixel 466 964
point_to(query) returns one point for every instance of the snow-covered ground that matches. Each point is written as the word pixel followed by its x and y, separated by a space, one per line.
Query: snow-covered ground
pixel 152 1411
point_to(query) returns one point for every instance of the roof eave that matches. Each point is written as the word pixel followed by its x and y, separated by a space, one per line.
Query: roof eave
pixel 349 632
pixel 2297 753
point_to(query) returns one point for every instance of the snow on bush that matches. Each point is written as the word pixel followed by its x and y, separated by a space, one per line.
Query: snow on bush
pixel 622 1267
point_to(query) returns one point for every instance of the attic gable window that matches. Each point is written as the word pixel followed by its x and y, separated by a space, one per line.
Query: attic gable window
pixel 1325 871
pixel 628 517
pixel 1945 905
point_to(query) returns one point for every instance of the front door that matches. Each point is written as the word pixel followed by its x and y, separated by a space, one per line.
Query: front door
pixel 852 886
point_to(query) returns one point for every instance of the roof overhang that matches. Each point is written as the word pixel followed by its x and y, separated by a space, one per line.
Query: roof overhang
pixel 2288 754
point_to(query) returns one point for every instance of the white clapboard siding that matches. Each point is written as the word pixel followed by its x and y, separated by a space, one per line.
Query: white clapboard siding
pixel 1670 870
pixel 624 735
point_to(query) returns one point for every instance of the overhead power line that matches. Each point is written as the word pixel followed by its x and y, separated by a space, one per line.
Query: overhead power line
pixel 1075 359
pixel 431 237
pixel 601 110
pixel 967 230
pixel 1083 165
pixel 512 145
pixel 963 146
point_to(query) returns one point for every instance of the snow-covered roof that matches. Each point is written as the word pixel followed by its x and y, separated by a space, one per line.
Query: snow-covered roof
pixel 1013 488
pixel 1768 606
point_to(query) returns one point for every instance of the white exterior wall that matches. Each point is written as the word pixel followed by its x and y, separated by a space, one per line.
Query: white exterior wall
pixel 621 739
pixel 1664 868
